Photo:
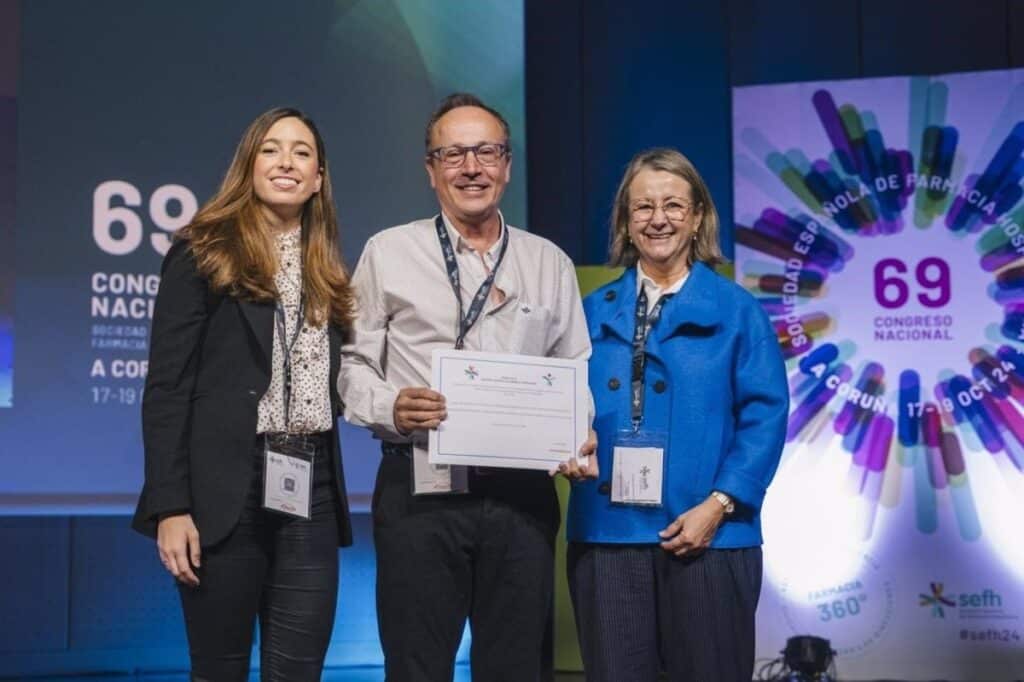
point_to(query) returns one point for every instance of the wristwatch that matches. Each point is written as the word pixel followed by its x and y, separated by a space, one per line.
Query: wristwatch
pixel 725 501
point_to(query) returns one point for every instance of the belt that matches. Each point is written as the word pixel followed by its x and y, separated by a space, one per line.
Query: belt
pixel 319 439
pixel 396 449
pixel 405 450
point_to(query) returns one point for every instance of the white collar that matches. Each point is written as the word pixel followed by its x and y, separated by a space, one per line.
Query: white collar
pixel 461 245
pixel 644 280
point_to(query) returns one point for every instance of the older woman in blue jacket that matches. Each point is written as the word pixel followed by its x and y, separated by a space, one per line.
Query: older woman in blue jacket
pixel 691 407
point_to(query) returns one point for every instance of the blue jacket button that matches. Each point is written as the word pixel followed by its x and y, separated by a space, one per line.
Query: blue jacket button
pixel 604 488
pixel 613 384
pixel 659 386
pixel 609 295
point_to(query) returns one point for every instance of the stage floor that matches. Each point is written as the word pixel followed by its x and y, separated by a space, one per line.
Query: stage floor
pixel 337 675
pixel 371 674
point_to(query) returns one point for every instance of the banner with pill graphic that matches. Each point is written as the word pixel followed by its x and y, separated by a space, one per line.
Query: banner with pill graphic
pixel 879 222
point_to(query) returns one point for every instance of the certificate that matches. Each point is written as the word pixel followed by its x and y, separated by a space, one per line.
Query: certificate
pixel 516 411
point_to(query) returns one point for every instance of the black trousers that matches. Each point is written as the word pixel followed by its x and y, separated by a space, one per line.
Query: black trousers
pixel 280 570
pixel 486 556
pixel 640 609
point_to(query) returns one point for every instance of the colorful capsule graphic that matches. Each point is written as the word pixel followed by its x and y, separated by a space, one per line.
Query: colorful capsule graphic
pixel 862 189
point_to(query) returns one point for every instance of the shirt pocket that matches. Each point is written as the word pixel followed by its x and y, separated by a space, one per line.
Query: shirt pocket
pixel 531 329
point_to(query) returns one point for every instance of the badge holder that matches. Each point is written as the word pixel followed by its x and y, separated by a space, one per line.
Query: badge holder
pixel 436 479
pixel 288 474
pixel 638 468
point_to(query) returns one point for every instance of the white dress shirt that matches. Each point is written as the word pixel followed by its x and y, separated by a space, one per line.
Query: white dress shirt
pixel 654 292
pixel 407 309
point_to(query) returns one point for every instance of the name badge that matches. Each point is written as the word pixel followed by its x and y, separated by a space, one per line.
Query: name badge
pixel 288 476
pixel 638 466
pixel 436 479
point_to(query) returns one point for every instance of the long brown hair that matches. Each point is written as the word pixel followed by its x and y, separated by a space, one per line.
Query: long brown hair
pixel 233 247
pixel 705 247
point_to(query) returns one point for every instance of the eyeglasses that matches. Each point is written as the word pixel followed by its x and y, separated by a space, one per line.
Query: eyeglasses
pixel 487 154
pixel 675 210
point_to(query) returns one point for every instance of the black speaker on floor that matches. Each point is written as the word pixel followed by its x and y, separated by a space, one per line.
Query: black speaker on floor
pixel 806 658
pixel 808 655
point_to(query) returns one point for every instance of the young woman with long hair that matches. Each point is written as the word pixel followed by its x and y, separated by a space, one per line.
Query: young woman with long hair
pixel 244 490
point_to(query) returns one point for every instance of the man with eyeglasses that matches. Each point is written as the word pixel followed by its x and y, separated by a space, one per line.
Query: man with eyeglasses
pixel 457 544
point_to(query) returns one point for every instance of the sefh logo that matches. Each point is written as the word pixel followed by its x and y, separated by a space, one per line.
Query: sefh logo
pixel 985 604
pixel 936 600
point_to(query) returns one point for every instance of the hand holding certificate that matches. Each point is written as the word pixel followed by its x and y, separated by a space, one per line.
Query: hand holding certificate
pixel 515 411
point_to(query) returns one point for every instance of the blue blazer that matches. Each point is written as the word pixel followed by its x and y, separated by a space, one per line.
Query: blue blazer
pixel 715 383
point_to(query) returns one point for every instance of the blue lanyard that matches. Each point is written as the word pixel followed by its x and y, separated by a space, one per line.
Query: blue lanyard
pixel 286 349
pixel 644 322
pixel 467 321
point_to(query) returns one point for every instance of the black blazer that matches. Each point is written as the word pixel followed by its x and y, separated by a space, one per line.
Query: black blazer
pixel 209 365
